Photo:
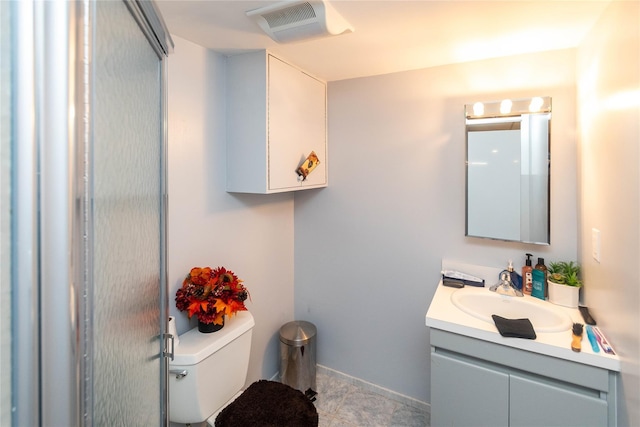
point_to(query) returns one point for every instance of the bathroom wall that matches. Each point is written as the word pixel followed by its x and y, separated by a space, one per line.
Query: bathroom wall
pixel 249 234
pixel 368 247
pixel 609 117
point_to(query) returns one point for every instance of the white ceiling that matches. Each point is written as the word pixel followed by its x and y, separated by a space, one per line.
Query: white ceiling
pixel 393 35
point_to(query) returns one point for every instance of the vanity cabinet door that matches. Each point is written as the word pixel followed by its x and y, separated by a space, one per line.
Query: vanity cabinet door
pixel 464 394
pixel 535 403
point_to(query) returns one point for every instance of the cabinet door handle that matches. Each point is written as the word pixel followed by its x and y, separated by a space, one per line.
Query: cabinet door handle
pixel 307 166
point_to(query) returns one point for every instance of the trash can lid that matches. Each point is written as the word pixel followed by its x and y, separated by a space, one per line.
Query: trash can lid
pixel 297 332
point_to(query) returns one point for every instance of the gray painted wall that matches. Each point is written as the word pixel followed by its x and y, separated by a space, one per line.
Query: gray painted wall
pixel 368 247
pixel 250 234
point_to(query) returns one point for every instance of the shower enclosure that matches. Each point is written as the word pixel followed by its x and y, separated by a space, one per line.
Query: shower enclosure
pixel 83 214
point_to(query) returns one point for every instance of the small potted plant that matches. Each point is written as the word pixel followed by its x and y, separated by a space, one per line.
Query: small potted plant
pixel 564 283
pixel 210 295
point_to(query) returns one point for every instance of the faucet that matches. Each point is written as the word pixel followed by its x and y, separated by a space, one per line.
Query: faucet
pixel 506 286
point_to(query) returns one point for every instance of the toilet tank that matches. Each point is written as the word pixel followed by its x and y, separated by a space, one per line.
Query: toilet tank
pixel 216 369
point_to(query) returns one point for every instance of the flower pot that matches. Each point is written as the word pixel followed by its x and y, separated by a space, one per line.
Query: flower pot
pixel 563 295
pixel 207 328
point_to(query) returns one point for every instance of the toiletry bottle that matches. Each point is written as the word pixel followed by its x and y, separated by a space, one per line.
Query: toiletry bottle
pixel 516 279
pixel 513 276
pixel 539 280
pixel 527 280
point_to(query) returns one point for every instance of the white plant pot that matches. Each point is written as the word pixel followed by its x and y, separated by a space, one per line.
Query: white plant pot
pixel 563 295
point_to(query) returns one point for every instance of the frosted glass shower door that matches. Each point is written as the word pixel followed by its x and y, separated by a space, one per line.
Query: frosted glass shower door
pixel 126 223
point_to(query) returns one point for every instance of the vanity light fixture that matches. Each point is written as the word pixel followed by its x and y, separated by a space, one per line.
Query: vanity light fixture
pixel 502 110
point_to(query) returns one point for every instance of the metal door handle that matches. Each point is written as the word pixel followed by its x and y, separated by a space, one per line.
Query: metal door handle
pixel 168 353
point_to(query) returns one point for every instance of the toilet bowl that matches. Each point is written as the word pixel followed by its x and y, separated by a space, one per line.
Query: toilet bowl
pixel 209 370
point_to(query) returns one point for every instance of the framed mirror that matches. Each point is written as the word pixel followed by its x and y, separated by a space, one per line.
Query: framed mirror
pixel 508 170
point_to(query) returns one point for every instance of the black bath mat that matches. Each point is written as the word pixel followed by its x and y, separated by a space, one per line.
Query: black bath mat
pixel 269 404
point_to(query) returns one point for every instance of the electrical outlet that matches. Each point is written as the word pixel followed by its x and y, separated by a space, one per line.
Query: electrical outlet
pixel 595 244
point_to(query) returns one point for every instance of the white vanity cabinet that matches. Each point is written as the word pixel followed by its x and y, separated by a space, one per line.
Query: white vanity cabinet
pixel 276 116
pixel 480 383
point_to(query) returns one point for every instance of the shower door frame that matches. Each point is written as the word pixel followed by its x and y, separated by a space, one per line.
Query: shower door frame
pixel 52 378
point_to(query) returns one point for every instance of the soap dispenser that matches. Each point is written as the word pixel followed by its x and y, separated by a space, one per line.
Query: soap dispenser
pixel 527 279
pixel 515 278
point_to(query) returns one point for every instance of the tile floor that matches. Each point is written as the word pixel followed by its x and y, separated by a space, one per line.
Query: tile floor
pixel 342 404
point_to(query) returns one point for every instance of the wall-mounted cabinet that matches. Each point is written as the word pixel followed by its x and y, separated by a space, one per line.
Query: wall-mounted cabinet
pixel 276 116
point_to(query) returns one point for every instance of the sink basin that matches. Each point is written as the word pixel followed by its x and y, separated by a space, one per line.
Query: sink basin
pixel 482 303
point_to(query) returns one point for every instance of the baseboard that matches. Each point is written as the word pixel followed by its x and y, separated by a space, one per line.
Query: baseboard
pixel 424 406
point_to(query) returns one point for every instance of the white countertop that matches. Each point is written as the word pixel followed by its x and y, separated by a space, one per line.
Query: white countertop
pixel 444 315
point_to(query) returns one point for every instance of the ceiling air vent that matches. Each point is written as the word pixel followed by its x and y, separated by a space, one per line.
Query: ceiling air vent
pixel 298 20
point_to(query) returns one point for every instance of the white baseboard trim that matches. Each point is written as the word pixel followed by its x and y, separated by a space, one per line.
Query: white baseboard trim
pixel 398 397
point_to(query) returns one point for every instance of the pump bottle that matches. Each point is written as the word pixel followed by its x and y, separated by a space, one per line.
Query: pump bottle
pixel 516 279
pixel 527 279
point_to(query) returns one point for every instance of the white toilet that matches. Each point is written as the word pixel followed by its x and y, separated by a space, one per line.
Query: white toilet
pixel 209 370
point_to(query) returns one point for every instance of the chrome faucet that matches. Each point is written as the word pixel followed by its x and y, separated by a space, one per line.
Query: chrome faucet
pixel 506 287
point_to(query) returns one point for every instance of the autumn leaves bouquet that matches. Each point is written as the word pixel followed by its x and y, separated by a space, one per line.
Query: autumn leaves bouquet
pixel 211 294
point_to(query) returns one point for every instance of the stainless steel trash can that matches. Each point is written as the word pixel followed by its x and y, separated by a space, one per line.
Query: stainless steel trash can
pixel 298 356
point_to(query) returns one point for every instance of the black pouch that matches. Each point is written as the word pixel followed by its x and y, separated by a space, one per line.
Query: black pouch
pixel 514 328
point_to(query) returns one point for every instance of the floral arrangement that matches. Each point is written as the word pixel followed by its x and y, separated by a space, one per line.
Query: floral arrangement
pixel 211 294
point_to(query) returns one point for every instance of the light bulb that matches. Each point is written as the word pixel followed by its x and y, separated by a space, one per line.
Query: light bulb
pixel 478 109
pixel 536 104
pixel 505 106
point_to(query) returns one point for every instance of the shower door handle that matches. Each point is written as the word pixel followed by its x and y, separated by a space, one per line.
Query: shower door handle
pixel 168 338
